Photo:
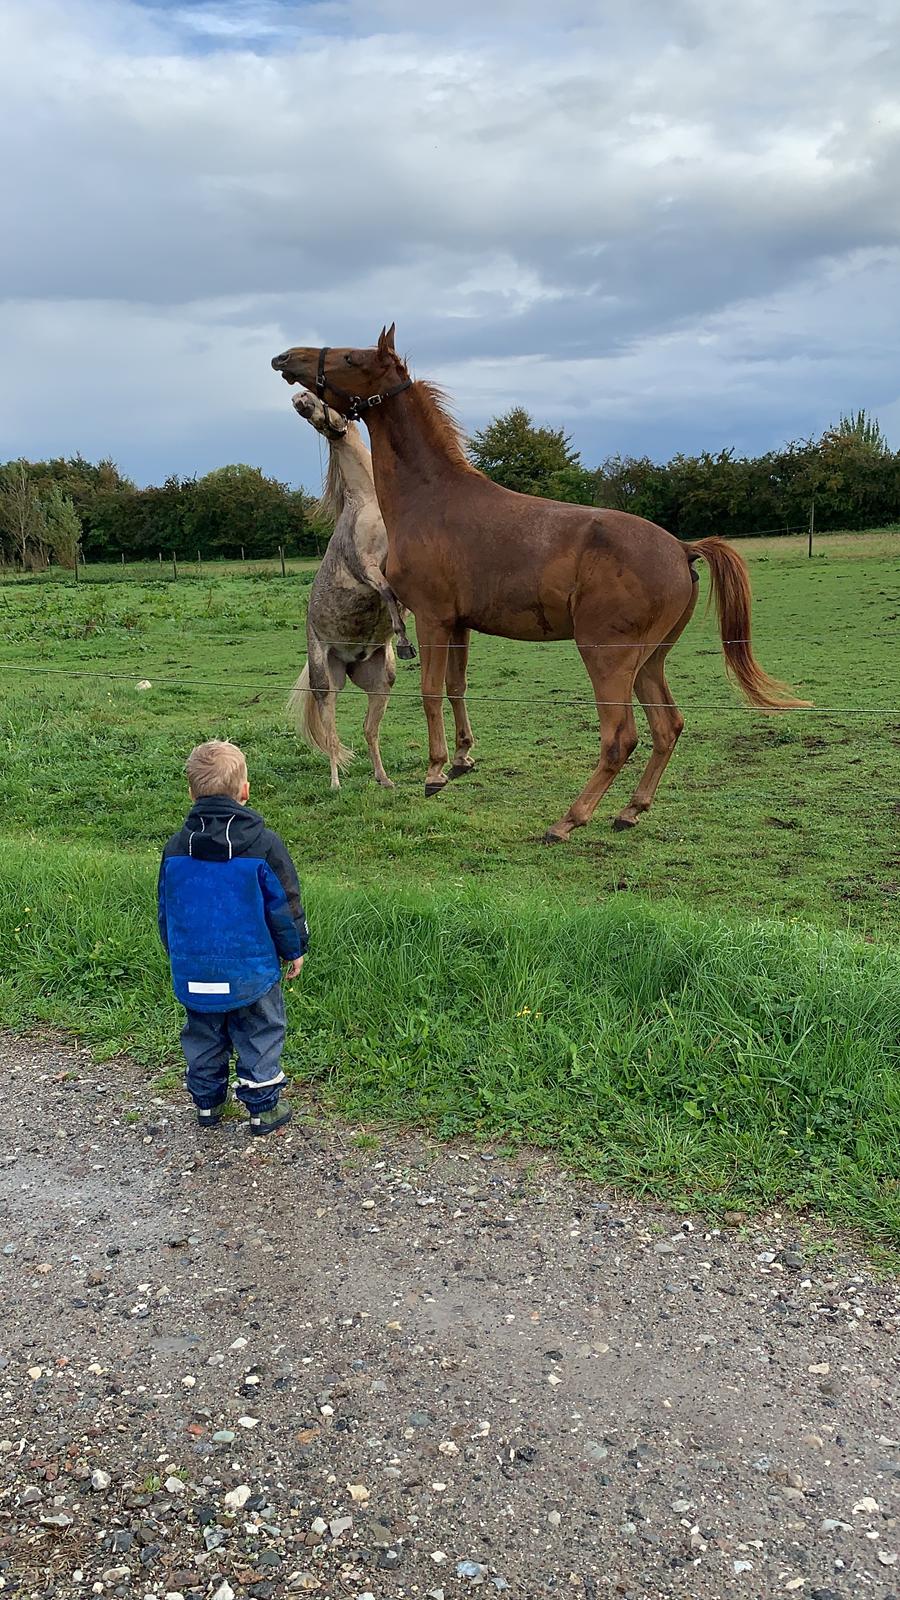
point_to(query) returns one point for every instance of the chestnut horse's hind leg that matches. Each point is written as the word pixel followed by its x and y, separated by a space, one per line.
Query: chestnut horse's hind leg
pixel 376 676
pixel 666 724
pixel 433 652
pixel 664 718
pixel 612 674
pixel 457 663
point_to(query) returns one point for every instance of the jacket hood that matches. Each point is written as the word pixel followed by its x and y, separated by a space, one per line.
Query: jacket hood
pixel 218 828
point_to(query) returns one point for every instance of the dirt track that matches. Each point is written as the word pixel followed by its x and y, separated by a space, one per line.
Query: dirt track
pixel 532 1388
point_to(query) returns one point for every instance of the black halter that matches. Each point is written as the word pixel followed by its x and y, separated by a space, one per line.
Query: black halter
pixel 357 402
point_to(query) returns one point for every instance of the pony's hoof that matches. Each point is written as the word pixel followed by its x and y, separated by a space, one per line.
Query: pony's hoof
pixel 434 788
pixel 385 783
pixel 406 651
pixel 622 824
pixel 461 770
pixel 554 838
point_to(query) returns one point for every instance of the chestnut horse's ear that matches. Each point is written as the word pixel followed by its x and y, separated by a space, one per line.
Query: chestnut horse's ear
pixel 386 340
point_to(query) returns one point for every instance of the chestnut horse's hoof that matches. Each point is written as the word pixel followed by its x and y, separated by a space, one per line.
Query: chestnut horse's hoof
pixel 434 788
pixel 406 650
pixel 553 838
pixel 622 824
pixel 461 771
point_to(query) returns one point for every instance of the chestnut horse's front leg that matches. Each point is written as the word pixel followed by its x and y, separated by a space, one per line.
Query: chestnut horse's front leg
pixel 456 692
pixel 433 650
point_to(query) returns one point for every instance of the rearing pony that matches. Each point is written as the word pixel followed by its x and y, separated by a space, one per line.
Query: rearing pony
pixel 465 553
pixel 352 612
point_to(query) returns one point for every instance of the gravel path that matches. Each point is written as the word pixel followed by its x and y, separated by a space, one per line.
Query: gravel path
pixel 300 1366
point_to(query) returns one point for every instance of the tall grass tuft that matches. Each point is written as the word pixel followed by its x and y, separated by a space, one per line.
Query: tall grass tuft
pixel 711 1062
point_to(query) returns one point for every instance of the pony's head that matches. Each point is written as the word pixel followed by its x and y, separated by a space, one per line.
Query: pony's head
pixel 341 376
pixel 321 417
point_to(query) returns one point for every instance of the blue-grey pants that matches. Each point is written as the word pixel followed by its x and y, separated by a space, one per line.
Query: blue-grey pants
pixel 255 1034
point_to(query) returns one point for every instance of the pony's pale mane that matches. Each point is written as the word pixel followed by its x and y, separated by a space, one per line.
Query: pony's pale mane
pixel 331 502
pixel 443 426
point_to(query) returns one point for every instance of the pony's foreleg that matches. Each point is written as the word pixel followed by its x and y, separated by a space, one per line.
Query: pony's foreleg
pixel 376 579
pixel 457 663
pixel 433 648
pixel 613 682
pixel 376 676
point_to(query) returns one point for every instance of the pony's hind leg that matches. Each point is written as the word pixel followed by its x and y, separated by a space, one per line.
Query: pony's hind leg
pixel 327 676
pixel 664 719
pixel 457 664
pixel 613 681
pixel 376 675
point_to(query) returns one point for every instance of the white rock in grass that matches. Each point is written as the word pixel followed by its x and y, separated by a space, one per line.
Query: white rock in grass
pixel 144 684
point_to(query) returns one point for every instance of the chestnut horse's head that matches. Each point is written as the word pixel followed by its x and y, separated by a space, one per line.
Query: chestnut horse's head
pixel 350 381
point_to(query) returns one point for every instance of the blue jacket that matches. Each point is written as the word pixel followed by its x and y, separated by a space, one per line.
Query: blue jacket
pixel 229 907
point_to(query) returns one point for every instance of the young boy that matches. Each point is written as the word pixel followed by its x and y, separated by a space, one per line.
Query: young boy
pixel 229 912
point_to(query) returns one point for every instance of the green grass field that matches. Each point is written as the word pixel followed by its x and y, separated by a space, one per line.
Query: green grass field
pixel 707 1006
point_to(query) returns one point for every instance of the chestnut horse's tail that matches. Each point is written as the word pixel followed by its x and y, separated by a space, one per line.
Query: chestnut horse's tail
pixel 731 587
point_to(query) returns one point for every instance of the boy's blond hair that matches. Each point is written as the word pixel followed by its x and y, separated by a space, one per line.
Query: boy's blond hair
pixel 216 767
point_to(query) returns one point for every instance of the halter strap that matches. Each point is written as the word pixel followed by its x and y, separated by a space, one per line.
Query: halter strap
pixel 357 403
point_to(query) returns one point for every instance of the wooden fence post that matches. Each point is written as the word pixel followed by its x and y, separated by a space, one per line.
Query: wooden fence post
pixel 812 526
pixel 174 566
pixel 281 553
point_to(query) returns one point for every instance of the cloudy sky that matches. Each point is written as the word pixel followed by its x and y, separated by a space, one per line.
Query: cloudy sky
pixel 668 225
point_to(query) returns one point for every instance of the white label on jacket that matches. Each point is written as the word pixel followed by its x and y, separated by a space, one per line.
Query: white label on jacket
pixel 209 988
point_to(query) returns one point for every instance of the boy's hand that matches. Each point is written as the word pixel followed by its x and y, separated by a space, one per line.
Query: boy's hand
pixel 293 968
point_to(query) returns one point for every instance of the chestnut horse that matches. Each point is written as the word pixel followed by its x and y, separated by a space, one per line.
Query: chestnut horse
pixel 465 553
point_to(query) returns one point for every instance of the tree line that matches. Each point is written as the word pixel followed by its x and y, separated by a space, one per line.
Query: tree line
pixel 850 473
pixel 51 509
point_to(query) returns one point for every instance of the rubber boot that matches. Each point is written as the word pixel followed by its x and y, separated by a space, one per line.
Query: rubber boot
pixel 267 1121
pixel 212 1117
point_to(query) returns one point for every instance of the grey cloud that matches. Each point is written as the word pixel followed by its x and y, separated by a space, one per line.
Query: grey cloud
pixel 585 198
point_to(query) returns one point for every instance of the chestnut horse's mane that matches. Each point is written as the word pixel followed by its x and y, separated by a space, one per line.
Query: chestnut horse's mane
pixel 441 424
